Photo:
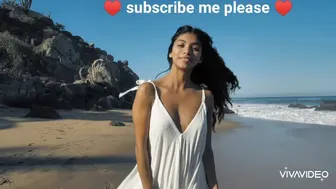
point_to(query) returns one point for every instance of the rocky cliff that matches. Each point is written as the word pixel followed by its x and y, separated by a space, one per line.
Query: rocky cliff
pixel 42 63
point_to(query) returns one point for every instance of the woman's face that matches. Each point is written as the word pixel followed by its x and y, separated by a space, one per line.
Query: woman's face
pixel 186 52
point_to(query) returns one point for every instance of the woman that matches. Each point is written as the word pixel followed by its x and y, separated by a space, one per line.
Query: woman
pixel 174 117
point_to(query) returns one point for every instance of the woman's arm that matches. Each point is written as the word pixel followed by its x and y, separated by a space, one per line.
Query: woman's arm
pixel 141 115
pixel 208 157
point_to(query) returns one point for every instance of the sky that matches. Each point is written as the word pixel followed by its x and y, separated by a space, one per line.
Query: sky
pixel 272 55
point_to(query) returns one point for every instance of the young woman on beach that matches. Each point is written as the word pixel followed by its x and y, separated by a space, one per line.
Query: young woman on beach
pixel 175 115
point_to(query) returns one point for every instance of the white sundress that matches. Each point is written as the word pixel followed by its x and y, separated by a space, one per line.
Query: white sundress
pixel 176 158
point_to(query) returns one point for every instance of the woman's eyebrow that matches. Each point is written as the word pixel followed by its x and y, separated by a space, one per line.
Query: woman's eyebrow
pixel 196 43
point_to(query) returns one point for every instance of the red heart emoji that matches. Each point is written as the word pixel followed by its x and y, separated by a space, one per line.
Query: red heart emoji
pixel 112 7
pixel 283 7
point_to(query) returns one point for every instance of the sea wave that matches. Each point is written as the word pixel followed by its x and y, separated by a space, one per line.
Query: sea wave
pixel 284 113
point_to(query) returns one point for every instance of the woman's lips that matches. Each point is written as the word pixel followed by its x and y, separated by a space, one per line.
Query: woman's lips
pixel 186 59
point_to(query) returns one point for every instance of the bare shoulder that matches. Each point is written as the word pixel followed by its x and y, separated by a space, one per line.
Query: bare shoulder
pixel 146 88
pixel 142 106
pixel 209 98
pixel 145 92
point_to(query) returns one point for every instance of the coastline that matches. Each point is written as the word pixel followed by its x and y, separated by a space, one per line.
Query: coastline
pixel 82 150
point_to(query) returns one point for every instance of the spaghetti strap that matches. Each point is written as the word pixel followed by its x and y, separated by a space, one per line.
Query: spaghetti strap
pixel 203 95
pixel 138 82
pixel 156 93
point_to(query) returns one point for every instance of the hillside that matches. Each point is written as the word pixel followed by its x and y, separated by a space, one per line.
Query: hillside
pixel 42 63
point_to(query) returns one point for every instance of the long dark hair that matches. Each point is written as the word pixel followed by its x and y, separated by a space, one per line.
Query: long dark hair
pixel 212 72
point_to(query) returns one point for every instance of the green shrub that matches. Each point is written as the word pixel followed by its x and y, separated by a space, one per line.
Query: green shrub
pixel 15 51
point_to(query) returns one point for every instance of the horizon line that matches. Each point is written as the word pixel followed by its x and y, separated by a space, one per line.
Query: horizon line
pixel 298 96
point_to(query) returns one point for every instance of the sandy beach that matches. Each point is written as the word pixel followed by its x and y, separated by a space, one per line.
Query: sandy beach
pixel 82 150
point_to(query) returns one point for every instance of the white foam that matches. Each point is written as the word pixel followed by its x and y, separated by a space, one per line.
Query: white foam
pixel 284 113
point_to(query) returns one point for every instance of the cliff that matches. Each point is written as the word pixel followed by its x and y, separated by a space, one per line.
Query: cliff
pixel 42 63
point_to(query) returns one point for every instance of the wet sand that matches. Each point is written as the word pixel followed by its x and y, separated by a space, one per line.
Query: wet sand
pixel 253 155
pixel 83 150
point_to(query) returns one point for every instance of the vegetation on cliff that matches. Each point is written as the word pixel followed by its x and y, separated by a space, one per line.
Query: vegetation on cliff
pixel 42 63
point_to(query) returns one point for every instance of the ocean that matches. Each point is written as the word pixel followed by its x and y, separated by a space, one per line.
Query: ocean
pixel 276 108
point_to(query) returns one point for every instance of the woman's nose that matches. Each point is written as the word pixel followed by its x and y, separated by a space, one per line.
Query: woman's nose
pixel 188 50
